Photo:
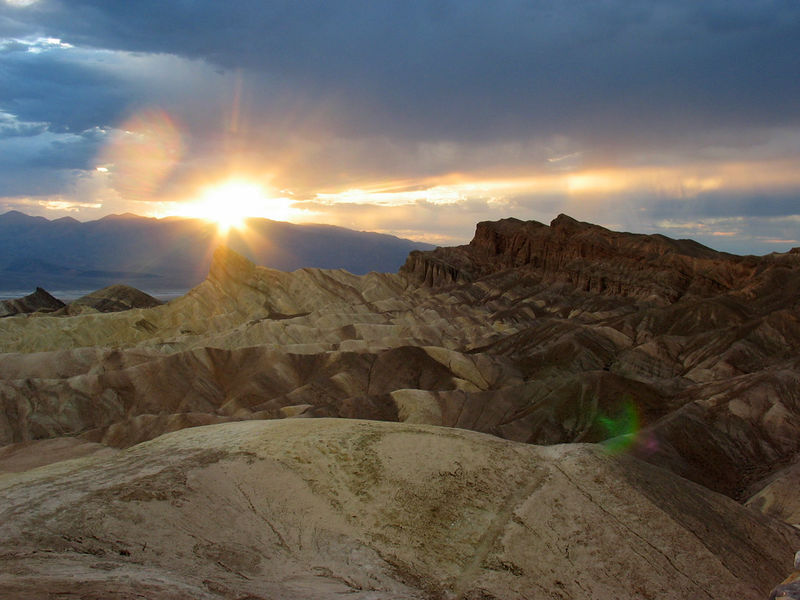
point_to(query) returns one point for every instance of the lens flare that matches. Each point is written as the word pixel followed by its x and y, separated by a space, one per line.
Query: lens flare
pixel 622 428
pixel 142 153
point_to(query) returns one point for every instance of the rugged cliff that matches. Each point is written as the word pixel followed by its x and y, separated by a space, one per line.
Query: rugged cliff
pixel 597 260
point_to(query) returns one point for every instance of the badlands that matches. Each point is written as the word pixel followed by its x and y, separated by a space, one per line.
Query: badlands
pixel 555 411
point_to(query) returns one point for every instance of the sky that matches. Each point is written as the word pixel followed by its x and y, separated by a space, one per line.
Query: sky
pixel 416 118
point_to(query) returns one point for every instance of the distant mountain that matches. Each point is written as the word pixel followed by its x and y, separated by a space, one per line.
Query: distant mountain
pixel 174 252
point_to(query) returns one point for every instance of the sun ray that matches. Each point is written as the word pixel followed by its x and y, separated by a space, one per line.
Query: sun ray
pixel 231 203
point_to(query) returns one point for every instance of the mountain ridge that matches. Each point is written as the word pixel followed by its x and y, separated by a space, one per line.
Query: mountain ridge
pixel 172 253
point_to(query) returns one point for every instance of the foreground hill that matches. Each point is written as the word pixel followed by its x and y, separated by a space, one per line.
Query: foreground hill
pixel 321 508
pixel 664 350
pixel 174 253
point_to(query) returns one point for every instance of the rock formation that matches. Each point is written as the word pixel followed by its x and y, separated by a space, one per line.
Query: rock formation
pixel 593 259
pixel 660 350
pixel 790 588
pixel 39 301
pixel 113 298
pixel 777 495
pixel 324 507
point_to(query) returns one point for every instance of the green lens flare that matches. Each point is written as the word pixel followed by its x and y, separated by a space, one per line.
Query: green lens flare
pixel 621 429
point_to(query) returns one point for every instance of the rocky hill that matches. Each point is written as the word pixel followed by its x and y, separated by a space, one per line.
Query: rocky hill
pixel 39 300
pixel 314 509
pixel 663 360
pixel 113 298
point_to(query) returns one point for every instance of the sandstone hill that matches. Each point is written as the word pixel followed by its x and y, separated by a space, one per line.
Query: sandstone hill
pixel 664 351
pixel 320 508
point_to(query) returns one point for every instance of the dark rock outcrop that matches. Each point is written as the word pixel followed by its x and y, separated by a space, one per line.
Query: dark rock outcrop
pixel 114 298
pixel 596 260
pixel 789 589
pixel 38 301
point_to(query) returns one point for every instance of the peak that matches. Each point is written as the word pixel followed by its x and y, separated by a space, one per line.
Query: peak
pixel 116 298
pixel 507 226
pixel 227 265
pixel 38 301
pixel 15 216
pixel 123 216
pixel 42 293
pixel 67 220
pixel 563 221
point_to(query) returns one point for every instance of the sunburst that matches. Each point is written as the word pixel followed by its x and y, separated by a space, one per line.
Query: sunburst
pixel 231 203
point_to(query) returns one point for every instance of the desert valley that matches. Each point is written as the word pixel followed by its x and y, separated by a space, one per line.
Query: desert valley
pixel 432 299
pixel 551 411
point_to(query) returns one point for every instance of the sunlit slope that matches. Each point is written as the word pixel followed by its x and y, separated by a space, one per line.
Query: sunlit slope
pixel 317 508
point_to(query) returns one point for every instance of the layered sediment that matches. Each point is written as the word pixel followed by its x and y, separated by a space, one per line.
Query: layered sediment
pixel 681 359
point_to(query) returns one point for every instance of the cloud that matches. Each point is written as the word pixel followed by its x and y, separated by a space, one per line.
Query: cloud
pixel 620 79
pixel 624 112
pixel 435 66
pixel 62 88
pixel 38 161
pixel 10 126
pixel 731 204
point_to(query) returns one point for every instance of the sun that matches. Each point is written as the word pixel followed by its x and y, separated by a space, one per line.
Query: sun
pixel 231 203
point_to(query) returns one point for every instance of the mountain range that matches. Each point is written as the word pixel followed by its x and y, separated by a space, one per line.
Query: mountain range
pixel 174 253
pixel 548 411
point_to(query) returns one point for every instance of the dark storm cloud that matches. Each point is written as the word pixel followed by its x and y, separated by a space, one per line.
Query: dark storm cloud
pixel 65 99
pixel 38 161
pixel 729 204
pixel 29 181
pixel 663 97
pixel 70 152
pixel 50 86
pixel 469 71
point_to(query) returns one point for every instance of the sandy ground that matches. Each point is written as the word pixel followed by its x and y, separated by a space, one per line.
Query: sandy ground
pixel 16 458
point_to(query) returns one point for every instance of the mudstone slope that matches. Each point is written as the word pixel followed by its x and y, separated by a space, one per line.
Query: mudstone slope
pixel 664 351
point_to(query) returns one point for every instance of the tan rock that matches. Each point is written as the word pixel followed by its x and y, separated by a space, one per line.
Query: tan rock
pixel 315 508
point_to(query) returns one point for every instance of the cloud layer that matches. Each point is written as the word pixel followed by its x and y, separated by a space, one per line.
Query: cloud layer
pixel 669 111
